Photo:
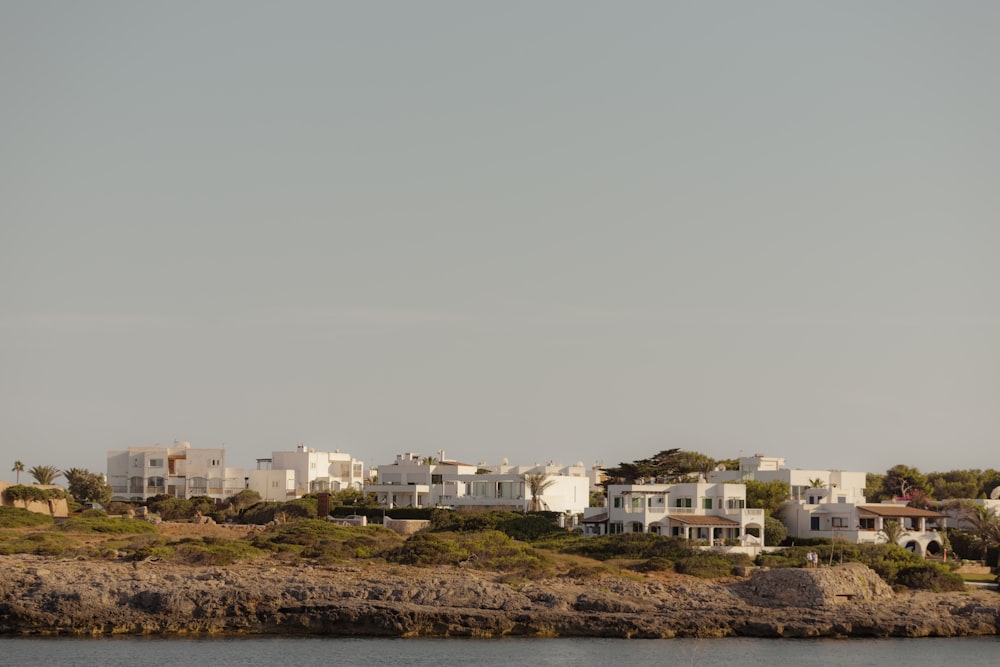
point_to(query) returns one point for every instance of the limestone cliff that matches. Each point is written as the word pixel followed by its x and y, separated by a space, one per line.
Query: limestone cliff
pixel 41 596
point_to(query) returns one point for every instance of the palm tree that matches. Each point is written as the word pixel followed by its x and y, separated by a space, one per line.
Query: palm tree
pixel 17 470
pixel 537 484
pixel 984 525
pixel 893 532
pixel 817 483
pixel 44 475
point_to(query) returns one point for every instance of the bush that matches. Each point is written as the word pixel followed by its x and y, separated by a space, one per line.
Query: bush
pixel 15 517
pixel 326 542
pixel 711 565
pixel 489 550
pixel 425 549
pixel 45 543
pixel 32 493
pixel 630 545
pixel 214 551
pixel 265 512
pixel 930 577
pixel 104 524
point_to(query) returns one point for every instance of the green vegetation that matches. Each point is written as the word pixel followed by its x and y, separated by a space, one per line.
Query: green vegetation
pixel 16 517
pixel 31 493
pixel 87 487
pixel 483 550
pixel 213 551
pixel 41 543
pixel 44 475
pixel 900 568
pixel 326 542
pixel 96 521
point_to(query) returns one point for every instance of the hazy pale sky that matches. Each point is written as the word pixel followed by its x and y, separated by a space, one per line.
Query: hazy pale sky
pixel 543 231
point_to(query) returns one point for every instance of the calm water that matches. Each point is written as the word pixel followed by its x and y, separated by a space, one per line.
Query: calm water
pixel 282 652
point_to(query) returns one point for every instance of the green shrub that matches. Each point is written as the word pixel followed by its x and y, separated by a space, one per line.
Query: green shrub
pixel 326 542
pixel 710 565
pixel 15 517
pixel 425 549
pixel 43 543
pixel 530 527
pixel 32 493
pixel 630 545
pixel 930 577
pixel 104 524
pixel 213 551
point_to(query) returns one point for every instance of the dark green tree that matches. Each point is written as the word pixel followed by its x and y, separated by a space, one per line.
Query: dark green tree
pixel 774 531
pixel 769 496
pixel 900 480
pixel 874 487
pixel 87 487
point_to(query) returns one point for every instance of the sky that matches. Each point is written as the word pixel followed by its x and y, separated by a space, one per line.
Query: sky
pixel 560 231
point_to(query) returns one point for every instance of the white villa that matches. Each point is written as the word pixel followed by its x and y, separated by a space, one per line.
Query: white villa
pixel 412 481
pixel 288 475
pixel 139 473
pixel 831 504
pixel 712 512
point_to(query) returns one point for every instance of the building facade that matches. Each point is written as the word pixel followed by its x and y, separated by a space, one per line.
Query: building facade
pixel 290 475
pixel 714 513
pixel 412 481
pixel 182 471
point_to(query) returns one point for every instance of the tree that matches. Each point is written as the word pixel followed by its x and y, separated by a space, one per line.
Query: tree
pixel 983 524
pixel 900 480
pixel 774 531
pixel 668 467
pixel 874 487
pixel 954 484
pixel 817 483
pixel 537 483
pixel 44 475
pixel 892 532
pixel 769 496
pixel 17 470
pixel 88 487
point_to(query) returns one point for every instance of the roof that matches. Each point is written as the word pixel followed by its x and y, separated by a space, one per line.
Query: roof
pixel 703 520
pixel 899 511
pixel 597 518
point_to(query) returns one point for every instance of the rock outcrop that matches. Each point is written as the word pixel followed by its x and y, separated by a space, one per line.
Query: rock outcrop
pixel 45 596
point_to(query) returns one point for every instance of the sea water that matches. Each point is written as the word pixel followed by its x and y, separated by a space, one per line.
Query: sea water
pixel 290 652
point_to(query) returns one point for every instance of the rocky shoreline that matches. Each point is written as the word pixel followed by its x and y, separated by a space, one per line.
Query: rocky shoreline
pixel 40 596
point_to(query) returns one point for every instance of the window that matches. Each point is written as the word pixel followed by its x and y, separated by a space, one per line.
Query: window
pixel 683 502
pixel 842 499
pixel 155 463
pixel 735 503
pixel 135 484
pixel 615 527
pixel 814 523
pixel 637 504
pixel 706 503
pixel 616 501
pixel 838 522
pixel 867 524
pixel 812 500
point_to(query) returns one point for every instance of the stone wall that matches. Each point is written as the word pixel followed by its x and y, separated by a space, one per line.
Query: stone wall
pixel 817 587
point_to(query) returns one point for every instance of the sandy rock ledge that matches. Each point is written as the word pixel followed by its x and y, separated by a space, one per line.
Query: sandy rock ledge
pixel 44 596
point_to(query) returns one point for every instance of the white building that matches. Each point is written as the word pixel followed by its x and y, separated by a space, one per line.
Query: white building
pixel 831 504
pixel 139 473
pixel 289 475
pixel 715 513
pixel 412 481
